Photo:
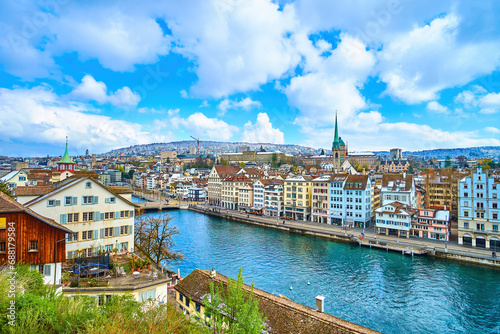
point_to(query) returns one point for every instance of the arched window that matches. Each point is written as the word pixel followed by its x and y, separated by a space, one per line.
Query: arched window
pixel 336 155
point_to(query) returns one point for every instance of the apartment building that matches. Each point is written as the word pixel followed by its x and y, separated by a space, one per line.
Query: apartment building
pixel 273 199
pixel 351 199
pixel 394 218
pixel 217 174
pixel 245 196
pixel 258 194
pixel 320 199
pixel 100 219
pixel 230 190
pixel 297 196
pixel 479 210
pixel 398 188
pixel 431 224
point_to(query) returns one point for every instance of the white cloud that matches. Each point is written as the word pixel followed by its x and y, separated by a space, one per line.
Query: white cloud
pixel 262 131
pixel 244 104
pixel 492 129
pixel 204 104
pixel 417 65
pixel 437 108
pixel 206 128
pixel 331 83
pixel 38 115
pixel 490 103
pixel 184 94
pixel 470 98
pixel 236 45
pixel 92 90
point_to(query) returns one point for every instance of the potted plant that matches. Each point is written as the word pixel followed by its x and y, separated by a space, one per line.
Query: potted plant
pixel 148 263
pixel 138 264
pixel 115 250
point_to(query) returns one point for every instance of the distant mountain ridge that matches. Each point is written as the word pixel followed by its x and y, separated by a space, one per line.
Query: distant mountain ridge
pixel 212 147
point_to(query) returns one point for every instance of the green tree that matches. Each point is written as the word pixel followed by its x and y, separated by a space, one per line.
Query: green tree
pixel 274 158
pixel 322 152
pixel 4 187
pixel 242 164
pixel 236 310
pixel 168 160
pixel 447 162
pixel 411 170
pixel 154 237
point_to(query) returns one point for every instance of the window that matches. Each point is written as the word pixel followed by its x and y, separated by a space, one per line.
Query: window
pixel 88 185
pixel 187 302
pixel 466 225
pixel 123 229
pixel 112 200
pixel 495 227
pixel 33 246
pixel 198 307
pixel 108 232
pixel 466 213
pixel 89 200
pixel 68 200
pixel 87 235
pixel 88 216
pixel 495 205
pixel 2 247
pixel 466 194
pixel 124 214
pixel 495 215
pixel 109 215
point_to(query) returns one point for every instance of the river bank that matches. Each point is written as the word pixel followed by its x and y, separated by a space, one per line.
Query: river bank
pixel 364 238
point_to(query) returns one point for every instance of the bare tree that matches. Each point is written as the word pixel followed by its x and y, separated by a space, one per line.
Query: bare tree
pixel 155 237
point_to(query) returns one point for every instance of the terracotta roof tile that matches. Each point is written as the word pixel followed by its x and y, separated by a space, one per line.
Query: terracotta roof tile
pixel 32 191
pixel 283 315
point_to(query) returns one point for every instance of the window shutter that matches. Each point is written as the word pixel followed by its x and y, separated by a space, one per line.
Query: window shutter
pixel 58 202
pixel 96 200
pixel 117 231
pixel 75 200
pixel 97 216
pixel 117 214
pixel 131 215
pixel 106 200
pixel 48 203
pixel 102 233
pixel 96 234
pixel 46 270
pixel 63 219
pixel 131 229
pixel 102 216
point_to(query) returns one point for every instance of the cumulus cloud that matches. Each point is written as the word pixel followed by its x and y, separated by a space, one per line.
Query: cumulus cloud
pixel 417 65
pixel 92 90
pixel 490 103
pixel 208 128
pixel 437 108
pixel 244 104
pixel 38 115
pixel 236 45
pixel 262 131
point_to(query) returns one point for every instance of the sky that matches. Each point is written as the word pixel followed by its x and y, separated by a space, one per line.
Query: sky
pixel 399 73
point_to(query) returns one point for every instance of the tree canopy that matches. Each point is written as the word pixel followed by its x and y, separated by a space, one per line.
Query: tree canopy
pixel 4 187
pixel 154 236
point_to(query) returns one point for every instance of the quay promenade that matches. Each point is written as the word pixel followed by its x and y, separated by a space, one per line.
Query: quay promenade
pixel 363 237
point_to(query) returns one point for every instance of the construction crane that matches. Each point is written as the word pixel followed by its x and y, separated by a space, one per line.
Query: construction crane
pixel 198 142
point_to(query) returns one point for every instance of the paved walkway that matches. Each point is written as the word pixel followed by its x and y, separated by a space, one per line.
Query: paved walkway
pixel 369 234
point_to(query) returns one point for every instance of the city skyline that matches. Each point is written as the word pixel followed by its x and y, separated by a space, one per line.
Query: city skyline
pixel 400 74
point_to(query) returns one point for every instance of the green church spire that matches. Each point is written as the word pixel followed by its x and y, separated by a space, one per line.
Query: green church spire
pixel 336 140
pixel 66 158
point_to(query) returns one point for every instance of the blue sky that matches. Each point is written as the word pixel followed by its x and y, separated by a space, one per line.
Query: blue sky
pixel 400 73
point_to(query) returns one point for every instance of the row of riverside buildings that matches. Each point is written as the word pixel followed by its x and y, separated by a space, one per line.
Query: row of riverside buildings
pixel 334 199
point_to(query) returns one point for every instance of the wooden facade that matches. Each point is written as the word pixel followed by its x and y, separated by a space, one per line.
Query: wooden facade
pixel 28 227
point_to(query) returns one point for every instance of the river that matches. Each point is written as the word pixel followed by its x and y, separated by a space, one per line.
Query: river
pixel 385 291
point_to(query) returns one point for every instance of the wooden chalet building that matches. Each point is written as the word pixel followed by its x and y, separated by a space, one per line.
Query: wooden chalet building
pixel 37 239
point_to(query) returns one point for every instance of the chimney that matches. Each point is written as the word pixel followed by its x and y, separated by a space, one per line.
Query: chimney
pixel 320 304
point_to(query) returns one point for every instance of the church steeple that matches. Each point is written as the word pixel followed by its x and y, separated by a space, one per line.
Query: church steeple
pixel 336 137
pixel 66 163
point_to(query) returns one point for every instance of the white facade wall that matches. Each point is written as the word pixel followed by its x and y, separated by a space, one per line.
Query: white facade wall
pixel 105 233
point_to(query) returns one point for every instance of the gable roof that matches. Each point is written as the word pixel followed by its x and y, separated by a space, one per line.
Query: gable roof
pixel 356 182
pixel 9 176
pixel 32 191
pixel 396 179
pixel 223 170
pixel 71 181
pixel 8 205
pixel 283 315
